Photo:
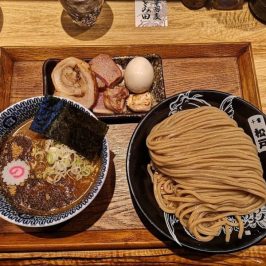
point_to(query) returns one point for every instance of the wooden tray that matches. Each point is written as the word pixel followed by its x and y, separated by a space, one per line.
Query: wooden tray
pixel 111 221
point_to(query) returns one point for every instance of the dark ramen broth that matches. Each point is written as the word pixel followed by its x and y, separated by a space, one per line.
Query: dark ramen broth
pixel 41 176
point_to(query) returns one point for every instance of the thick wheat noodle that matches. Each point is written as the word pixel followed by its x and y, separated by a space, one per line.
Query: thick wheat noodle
pixel 211 199
pixel 216 151
pixel 227 130
pixel 204 168
pixel 207 158
pixel 216 146
pixel 225 134
pixel 183 174
pixel 258 188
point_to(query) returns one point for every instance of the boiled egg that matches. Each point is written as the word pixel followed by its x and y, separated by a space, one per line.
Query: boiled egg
pixel 139 75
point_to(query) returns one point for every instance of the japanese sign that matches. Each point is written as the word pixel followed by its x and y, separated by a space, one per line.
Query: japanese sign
pixel 151 13
pixel 258 128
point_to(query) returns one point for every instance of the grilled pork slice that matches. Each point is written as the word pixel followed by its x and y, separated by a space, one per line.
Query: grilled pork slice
pixel 106 70
pixel 99 106
pixel 73 79
pixel 115 99
pixel 100 84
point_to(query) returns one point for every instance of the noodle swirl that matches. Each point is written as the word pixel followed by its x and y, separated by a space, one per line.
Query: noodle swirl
pixel 204 168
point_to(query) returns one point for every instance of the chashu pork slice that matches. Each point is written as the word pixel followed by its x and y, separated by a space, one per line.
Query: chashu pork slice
pixel 73 79
pixel 115 99
pixel 106 70
pixel 100 107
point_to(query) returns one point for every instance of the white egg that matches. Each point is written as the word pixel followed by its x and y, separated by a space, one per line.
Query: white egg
pixel 139 75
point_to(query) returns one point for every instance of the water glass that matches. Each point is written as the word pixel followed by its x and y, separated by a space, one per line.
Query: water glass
pixel 83 12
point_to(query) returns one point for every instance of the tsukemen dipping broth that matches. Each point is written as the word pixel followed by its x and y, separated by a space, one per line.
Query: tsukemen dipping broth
pixel 41 176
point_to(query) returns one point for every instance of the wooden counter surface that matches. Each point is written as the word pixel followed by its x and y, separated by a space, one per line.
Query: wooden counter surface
pixel 42 23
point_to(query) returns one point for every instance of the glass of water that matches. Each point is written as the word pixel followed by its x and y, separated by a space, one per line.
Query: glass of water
pixel 83 12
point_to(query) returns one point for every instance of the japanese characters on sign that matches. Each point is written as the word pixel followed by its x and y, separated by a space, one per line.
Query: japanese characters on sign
pixel 258 128
pixel 151 13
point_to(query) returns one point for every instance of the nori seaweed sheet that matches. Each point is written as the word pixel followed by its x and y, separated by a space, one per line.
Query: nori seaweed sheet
pixel 63 122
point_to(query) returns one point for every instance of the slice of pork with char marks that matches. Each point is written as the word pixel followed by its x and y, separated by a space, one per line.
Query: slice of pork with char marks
pixel 99 106
pixel 115 99
pixel 100 84
pixel 106 70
